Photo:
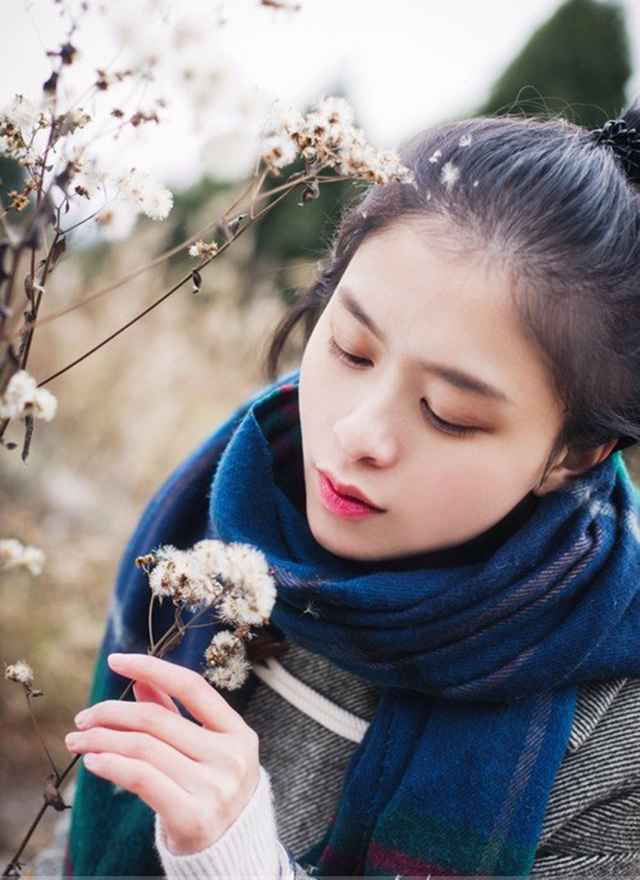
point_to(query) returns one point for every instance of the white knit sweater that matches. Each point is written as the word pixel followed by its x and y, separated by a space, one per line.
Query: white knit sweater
pixel 248 848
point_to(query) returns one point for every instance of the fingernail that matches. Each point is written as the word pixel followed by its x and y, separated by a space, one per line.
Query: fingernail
pixel 81 717
pixel 116 657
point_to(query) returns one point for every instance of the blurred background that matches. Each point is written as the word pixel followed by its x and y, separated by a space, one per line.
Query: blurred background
pixel 132 411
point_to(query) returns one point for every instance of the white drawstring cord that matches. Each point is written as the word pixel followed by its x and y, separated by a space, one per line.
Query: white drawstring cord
pixel 313 704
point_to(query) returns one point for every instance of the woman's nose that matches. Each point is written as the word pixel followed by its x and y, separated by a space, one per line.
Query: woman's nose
pixel 362 434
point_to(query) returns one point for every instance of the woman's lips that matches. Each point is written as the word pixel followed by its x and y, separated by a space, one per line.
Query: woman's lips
pixel 341 504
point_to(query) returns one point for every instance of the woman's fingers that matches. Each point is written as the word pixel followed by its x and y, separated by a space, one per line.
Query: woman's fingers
pixel 141 747
pixel 173 729
pixel 147 693
pixel 179 810
pixel 197 695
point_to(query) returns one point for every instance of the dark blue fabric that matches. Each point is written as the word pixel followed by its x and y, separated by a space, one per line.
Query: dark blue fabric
pixel 479 661
pixel 478 650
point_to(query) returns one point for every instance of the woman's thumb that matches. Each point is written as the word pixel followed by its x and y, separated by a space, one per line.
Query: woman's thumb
pixel 147 693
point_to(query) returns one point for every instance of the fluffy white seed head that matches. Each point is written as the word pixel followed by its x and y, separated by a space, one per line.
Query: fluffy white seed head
pixel 153 199
pixel 226 659
pixel 252 592
pixel 278 151
pixel 22 396
pixel 19 671
pixel 45 404
pixel 327 137
pixel 183 576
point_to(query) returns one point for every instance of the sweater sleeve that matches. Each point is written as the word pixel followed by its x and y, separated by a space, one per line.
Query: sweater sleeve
pixel 249 848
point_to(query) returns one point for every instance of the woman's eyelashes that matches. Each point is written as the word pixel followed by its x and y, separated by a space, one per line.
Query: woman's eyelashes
pixel 440 424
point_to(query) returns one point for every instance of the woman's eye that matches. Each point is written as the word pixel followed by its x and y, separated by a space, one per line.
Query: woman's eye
pixel 448 427
pixel 344 355
pixel 441 424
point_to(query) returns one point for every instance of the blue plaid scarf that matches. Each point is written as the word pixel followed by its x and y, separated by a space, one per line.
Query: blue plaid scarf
pixel 478 661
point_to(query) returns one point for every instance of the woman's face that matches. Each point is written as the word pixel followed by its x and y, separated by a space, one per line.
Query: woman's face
pixel 374 424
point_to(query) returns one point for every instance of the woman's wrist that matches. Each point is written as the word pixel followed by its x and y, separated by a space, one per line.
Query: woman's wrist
pixel 248 848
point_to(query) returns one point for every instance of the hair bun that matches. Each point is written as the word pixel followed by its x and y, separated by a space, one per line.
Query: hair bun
pixel 624 140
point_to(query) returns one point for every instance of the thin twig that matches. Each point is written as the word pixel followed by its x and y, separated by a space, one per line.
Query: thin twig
pixel 151 639
pixel 14 863
pixel 161 257
pixel 164 296
pixel 39 735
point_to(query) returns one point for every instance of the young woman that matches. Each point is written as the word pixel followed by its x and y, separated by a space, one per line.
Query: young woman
pixel 455 539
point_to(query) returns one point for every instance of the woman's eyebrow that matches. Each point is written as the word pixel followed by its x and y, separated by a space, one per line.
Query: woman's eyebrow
pixel 453 375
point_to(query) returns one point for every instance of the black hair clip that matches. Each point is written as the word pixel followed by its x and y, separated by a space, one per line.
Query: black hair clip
pixel 625 143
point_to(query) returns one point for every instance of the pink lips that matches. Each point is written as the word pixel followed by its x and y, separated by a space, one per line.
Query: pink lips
pixel 341 504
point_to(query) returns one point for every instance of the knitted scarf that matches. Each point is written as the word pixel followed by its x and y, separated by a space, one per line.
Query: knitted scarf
pixel 478 661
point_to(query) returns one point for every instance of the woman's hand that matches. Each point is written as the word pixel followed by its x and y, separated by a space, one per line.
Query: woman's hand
pixel 197 778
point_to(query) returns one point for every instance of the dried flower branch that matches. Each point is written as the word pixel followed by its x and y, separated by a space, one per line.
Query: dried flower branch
pixel 233 580
pixel 230 580
pixel 325 138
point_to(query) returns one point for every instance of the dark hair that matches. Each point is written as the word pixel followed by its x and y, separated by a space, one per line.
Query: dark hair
pixel 560 213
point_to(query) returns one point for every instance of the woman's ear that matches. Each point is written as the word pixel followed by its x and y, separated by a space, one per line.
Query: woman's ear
pixel 573 465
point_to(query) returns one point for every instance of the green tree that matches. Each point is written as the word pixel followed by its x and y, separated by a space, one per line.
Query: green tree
pixel 575 65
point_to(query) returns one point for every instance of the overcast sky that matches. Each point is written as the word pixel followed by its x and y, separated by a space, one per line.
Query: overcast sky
pixel 406 63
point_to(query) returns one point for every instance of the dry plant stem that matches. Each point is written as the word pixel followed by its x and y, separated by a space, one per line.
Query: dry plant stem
pixel 233 206
pixel 29 424
pixel 8 293
pixel 41 202
pixel 151 639
pixel 255 191
pixel 172 636
pixel 3 215
pixel 31 316
pixel 131 275
pixel 39 735
pixel 13 867
pixel 75 226
pixel 176 286
pixel 202 233
pixel 35 220
pixel 116 284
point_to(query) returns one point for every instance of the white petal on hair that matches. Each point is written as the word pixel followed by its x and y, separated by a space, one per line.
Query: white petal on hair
pixel 449 174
